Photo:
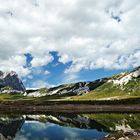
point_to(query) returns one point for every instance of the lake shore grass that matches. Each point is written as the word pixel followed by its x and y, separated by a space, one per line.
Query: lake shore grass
pixel 19 103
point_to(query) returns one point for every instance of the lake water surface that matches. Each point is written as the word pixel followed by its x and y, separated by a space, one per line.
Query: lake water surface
pixel 65 126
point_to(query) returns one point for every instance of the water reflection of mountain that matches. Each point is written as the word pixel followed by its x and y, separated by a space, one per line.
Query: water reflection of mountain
pixel 77 121
pixel 101 122
pixel 115 122
pixel 9 126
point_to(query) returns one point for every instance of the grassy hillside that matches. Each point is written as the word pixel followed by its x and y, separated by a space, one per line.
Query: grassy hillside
pixel 120 86
pixel 105 92
pixel 111 91
pixel 13 97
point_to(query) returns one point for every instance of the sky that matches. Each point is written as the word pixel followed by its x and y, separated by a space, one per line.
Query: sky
pixel 49 43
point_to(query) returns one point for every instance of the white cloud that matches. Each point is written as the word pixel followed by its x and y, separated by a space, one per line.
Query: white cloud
pixel 39 61
pixel 84 32
pixel 40 84
pixel 15 63
pixel 46 72
pixel 40 71
pixel 70 78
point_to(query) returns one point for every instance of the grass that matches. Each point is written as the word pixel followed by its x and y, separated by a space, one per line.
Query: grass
pixel 43 90
pixel 19 99
pixel 27 99
pixel 110 91
pixel 107 91
pixel 14 97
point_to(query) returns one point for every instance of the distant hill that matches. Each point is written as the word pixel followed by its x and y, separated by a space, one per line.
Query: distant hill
pixel 123 85
pixel 118 86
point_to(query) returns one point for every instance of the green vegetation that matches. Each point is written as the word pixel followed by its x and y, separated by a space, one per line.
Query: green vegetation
pixel 107 90
pixel 27 99
pixel 13 97
pixel 43 90
pixel 17 98
pixel 104 91
pixel 110 91
pixel 133 87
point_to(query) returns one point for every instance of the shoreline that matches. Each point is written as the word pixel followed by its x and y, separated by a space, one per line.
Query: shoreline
pixel 68 108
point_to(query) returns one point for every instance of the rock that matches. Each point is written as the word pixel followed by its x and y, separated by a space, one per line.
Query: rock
pixel 118 81
pixel 120 135
pixel 126 78
pixel 12 81
pixel 75 89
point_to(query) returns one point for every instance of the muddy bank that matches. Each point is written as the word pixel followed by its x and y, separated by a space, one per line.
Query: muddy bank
pixel 68 108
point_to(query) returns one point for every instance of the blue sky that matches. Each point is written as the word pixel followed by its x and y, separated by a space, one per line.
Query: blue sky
pixel 54 42
pixel 56 75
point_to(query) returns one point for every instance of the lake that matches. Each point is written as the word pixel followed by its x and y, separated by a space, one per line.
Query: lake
pixel 65 126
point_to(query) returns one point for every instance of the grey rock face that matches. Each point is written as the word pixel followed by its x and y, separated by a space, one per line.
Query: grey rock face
pixel 11 80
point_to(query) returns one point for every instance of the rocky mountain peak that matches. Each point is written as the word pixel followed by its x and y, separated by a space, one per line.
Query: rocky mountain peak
pixel 1 73
pixel 5 74
pixel 11 79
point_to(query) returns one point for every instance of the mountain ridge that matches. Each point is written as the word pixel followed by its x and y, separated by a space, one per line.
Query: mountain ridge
pixel 117 86
pixel 123 83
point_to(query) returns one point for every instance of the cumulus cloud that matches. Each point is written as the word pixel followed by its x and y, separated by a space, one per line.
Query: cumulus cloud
pixel 88 33
pixel 40 84
pixel 39 61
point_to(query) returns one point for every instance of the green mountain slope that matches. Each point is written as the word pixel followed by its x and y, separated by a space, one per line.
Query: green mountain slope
pixel 109 91
pixel 119 86
pixel 123 85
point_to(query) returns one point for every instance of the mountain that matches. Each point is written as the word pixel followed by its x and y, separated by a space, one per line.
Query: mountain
pixel 73 89
pixel 10 83
pixel 121 85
